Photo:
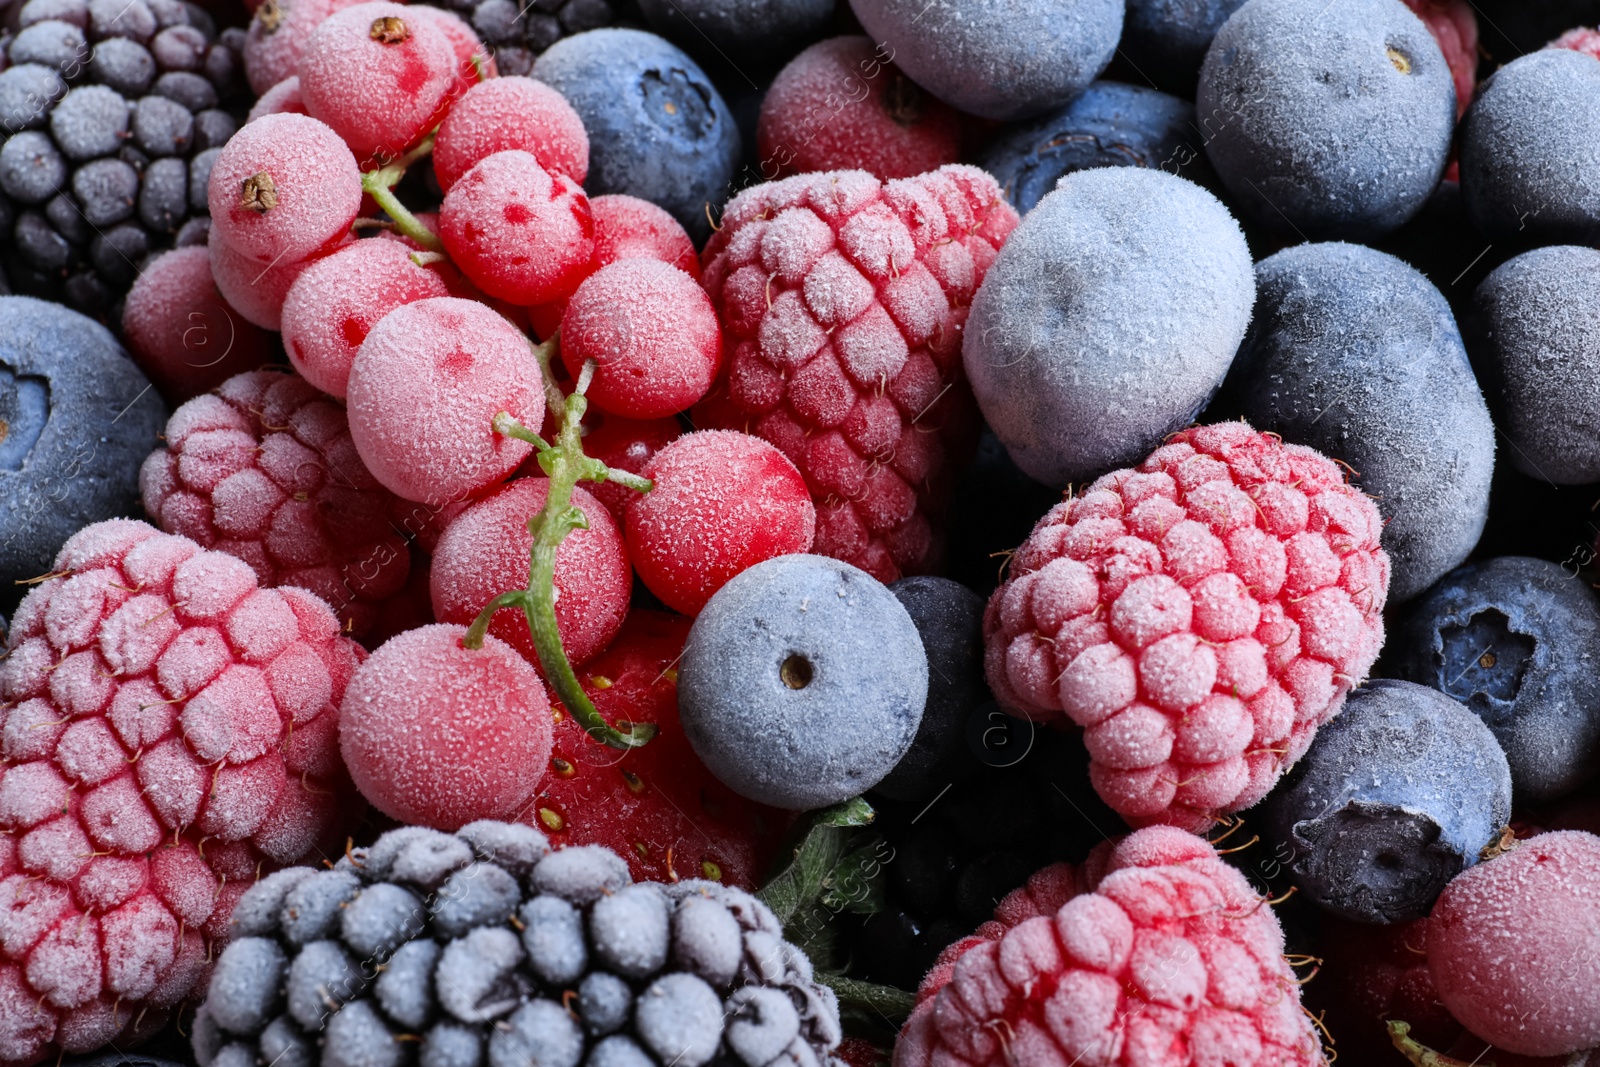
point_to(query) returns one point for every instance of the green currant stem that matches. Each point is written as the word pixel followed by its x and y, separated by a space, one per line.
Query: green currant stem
pixel 379 184
pixel 1421 1055
pixel 565 465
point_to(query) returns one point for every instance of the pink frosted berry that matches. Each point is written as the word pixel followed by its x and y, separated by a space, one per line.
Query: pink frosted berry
pixel 335 302
pixel 517 231
pixel 1579 39
pixel 379 77
pixel 652 333
pixel 1512 945
pixel 484 552
pixel 1199 617
pixel 282 99
pixel 473 61
pixel 507 113
pixel 181 332
pixel 170 733
pixel 1163 956
pixel 723 501
pixel 283 189
pixel 277 38
pixel 442 735
pixel 265 471
pixel 254 289
pixel 839 105
pixel 423 393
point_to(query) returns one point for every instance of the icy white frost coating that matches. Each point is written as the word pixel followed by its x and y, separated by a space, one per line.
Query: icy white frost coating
pixel 1108 320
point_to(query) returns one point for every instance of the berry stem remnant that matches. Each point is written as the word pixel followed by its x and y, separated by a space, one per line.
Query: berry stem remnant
pixel 1421 1055
pixel 565 464
pixel 379 184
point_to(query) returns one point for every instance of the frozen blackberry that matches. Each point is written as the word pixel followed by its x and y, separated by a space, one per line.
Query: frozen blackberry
pixel 517 31
pixel 484 946
pixel 105 106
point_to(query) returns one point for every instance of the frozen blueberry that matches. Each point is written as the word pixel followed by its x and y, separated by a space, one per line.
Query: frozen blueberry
pixel 27 93
pixel 1354 353
pixel 1530 151
pixel 1534 336
pixel 1327 120
pixel 680 1018
pixel 759 32
pixel 1514 639
pixel 1166 40
pixel 1110 125
pixel 1001 59
pixel 949 619
pixel 1396 797
pixel 658 129
pixel 1107 321
pixel 802 682
pixel 80 419
pixel 90 121
pixel 31 170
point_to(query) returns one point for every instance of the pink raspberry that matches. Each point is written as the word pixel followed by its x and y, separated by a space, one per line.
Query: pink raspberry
pixel 1200 617
pixel 265 471
pixel 1579 39
pixel 1165 958
pixel 170 732
pixel 842 301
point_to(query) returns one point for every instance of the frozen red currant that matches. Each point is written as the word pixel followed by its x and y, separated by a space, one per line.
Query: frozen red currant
pixel 506 113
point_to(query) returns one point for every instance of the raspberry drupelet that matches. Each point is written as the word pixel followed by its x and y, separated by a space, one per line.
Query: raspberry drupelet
pixel 1199 616
pixel 170 733
pixel 842 301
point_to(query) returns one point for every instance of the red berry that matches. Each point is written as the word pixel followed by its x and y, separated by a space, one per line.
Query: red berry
pixel 1507 937
pixel 1168 957
pixel 474 63
pixel 254 289
pixel 626 444
pixel 170 733
pixel 282 99
pixel 283 189
pixel 657 806
pixel 1200 617
pixel 1454 24
pixel 181 332
pixel 484 552
pixel 423 393
pixel 511 113
pixel 442 735
pixel 652 333
pixel 266 471
pixel 379 77
pixel 842 301
pixel 840 106
pixel 722 502
pixel 517 231
pixel 277 38
pixel 335 302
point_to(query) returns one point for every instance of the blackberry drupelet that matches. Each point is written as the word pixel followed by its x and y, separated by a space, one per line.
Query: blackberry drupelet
pixel 517 31
pixel 485 946
pixel 111 112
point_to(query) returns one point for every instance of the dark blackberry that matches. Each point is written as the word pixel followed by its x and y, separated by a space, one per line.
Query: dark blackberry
pixel 105 108
pixel 517 31
pixel 485 946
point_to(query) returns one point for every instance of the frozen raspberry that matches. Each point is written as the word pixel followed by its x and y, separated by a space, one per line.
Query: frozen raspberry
pixel 652 333
pixel 1579 39
pixel 517 231
pixel 722 502
pixel 255 290
pixel 507 113
pixel 335 302
pixel 842 301
pixel 283 189
pixel 1454 24
pixel 1508 937
pixel 658 806
pixel 265 471
pixel 626 444
pixel 423 393
pixel 170 732
pixel 1170 958
pixel 1200 617
pixel 378 77
pixel 484 552
pixel 473 61
pixel 282 99
pixel 181 332
pixel 438 734
pixel 277 38
pixel 840 106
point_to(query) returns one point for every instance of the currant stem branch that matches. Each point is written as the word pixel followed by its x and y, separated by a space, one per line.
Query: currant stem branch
pixel 379 184
pixel 564 464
